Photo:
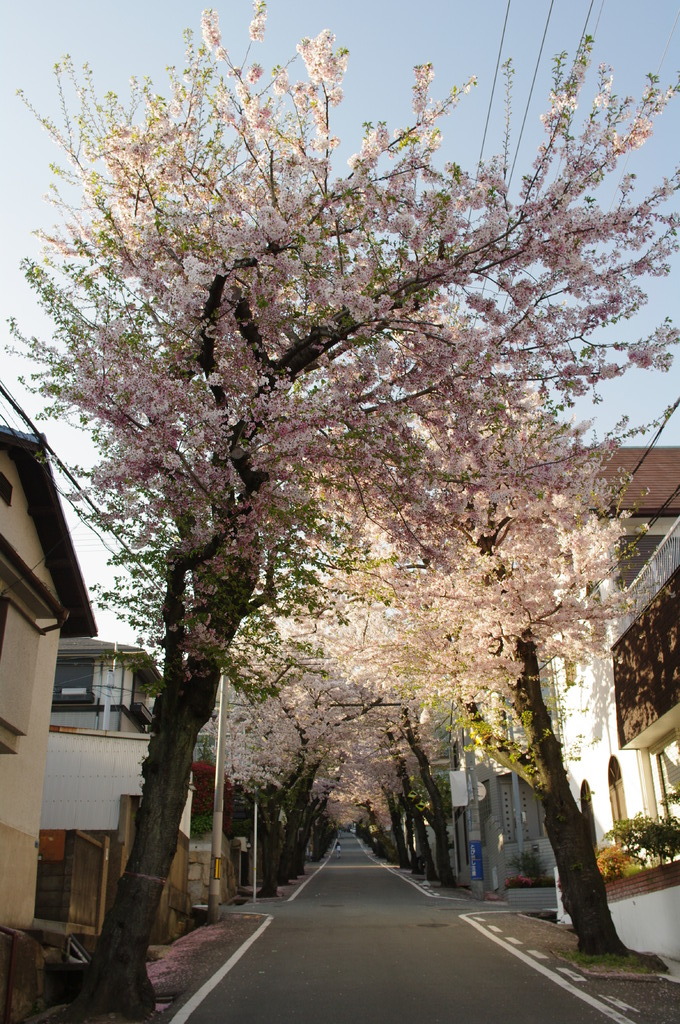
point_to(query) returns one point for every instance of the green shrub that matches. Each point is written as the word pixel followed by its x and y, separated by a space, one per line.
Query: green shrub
pixel 204 798
pixel 645 838
pixel 201 823
pixel 528 863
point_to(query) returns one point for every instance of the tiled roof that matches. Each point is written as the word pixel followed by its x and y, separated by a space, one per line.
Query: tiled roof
pixel 654 482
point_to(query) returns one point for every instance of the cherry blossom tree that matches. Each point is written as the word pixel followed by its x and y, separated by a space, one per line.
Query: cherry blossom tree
pixel 511 540
pixel 288 749
pixel 243 325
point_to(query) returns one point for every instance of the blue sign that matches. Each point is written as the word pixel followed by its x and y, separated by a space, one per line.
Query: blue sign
pixel 476 865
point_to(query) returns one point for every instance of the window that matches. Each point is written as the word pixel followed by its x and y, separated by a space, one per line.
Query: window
pixel 617 796
pixel 668 774
pixel 587 810
pixel 73 682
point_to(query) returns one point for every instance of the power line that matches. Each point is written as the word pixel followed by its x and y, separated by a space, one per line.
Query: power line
pixel 16 407
pixel 666 503
pixel 667 415
pixel 531 90
pixel 585 24
pixel 495 79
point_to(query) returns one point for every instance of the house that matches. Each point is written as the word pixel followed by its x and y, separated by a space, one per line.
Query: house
pixel 98 738
pixel 99 684
pixel 617 718
pixel 42 597
pixel 621 717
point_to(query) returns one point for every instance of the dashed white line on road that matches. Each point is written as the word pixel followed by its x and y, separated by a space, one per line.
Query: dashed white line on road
pixel 515 942
pixel 606 1009
pixel 619 1004
pixel 571 974
pixel 537 953
pixel 493 928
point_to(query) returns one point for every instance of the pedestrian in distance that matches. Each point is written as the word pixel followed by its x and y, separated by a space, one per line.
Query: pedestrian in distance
pixel 338 850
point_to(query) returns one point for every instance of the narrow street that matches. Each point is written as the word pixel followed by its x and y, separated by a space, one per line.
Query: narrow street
pixel 359 944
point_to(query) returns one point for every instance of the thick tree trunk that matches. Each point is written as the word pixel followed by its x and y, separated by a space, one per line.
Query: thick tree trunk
pixel 418 824
pixel 410 838
pixel 583 890
pixel 322 833
pixel 313 811
pixel 397 829
pixel 270 833
pixel 116 980
pixel 424 845
pixel 294 826
pixel 437 817
pixel 380 842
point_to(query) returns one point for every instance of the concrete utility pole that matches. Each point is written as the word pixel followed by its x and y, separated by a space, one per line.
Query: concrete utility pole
pixel 214 884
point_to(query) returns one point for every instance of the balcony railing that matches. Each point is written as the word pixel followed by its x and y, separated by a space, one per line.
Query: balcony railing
pixel 654 575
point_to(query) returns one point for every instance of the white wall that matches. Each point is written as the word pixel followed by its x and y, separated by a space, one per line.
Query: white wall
pixel 650 923
pixel 86 773
pixel 590 738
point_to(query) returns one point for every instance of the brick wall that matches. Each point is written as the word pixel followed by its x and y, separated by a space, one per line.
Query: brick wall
pixel 652 880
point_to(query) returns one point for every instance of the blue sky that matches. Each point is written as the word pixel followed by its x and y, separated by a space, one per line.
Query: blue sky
pixel 385 38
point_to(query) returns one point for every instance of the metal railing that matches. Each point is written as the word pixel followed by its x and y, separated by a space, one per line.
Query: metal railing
pixel 652 577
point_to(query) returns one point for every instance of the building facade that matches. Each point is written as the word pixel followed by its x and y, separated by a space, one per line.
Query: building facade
pixel 42 597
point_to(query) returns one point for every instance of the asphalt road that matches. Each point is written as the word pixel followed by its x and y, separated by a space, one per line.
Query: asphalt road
pixel 360 946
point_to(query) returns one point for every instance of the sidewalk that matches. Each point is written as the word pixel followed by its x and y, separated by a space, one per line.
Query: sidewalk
pixel 561 937
pixel 179 970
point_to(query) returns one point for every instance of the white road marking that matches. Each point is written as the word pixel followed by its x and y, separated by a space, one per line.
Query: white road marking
pixel 571 974
pixel 494 928
pixel 192 1004
pixel 621 1005
pixel 608 1011
pixel 515 942
pixel 296 892
pixel 417 885
pixel 538 954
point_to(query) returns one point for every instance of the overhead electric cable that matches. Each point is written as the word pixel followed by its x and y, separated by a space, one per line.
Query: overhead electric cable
pixel 495 79
pixel 76 483
pixel 667 415
pixel 531 90
pixel 668 41
pixel 657 515
pixel 585 24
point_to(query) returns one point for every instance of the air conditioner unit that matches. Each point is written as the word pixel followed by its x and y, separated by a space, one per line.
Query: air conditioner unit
pixel 73 695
